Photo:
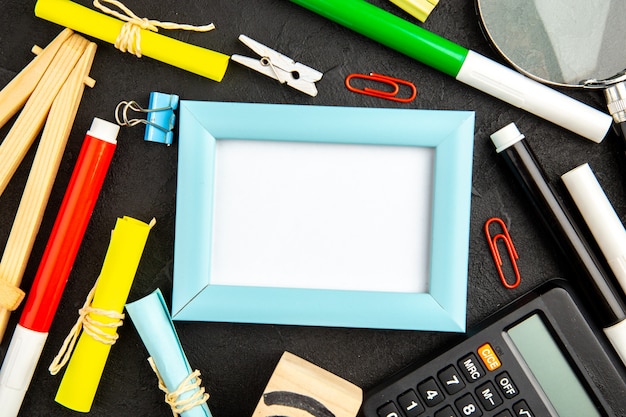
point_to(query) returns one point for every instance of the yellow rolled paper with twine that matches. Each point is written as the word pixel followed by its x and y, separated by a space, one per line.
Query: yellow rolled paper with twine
pixel 198 60
pixel 100 317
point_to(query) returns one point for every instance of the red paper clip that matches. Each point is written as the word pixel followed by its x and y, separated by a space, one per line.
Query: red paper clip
pixel 493 245
pixel 394 83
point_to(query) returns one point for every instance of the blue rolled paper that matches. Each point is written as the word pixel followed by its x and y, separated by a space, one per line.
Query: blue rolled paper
pixel 154 325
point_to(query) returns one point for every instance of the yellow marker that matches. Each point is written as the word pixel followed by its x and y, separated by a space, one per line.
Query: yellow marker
pixel 201 61
pixel 420 9
pixel 81 379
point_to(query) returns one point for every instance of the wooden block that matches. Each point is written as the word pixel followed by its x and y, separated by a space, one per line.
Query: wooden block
pixel 298 388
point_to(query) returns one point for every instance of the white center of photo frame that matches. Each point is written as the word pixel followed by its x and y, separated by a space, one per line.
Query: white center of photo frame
pixel 322 216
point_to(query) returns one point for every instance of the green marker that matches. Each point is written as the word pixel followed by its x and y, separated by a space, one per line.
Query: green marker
pixel 465 65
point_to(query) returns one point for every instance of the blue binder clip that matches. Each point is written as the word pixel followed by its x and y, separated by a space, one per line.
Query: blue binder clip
pixel 160 118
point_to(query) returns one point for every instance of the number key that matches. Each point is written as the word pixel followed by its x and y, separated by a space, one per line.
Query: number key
pixel 388 410
pixel 411 404
pixel 467 406
pixel 430 392
pixel 451 380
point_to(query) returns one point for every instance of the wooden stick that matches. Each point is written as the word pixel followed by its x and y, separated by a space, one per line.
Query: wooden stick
pixel 31 119
pixel 42 176
pixel 15 93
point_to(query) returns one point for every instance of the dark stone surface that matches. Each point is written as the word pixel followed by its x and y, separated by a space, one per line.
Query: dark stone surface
pixel 236 360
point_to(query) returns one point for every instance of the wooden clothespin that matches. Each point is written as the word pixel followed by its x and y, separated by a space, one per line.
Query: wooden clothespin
pixel 49 89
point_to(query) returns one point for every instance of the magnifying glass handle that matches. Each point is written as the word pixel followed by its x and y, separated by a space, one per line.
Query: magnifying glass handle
pixel 616 103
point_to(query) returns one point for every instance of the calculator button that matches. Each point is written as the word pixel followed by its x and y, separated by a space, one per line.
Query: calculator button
pixel 467 406
pixel 447 411
pixel 506 385
pixel 389 410
pixel 430 392
pixel 505 413
pixel 521 409
pixel 489 357
pixel 451 380
pixel 470 367
pixel 488 396
pixel 411 404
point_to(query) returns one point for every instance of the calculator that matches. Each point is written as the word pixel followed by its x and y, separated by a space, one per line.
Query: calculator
pixel 538 357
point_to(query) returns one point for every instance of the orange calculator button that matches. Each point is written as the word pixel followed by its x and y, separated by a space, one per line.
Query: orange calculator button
pixel 489 357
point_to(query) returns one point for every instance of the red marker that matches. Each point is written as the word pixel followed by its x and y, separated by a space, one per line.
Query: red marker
pixel 67 234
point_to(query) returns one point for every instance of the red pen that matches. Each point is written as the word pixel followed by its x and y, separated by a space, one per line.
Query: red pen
pixel 67 234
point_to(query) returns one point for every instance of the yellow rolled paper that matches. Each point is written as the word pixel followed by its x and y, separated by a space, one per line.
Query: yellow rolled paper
pixel 81 379
pixel 201 61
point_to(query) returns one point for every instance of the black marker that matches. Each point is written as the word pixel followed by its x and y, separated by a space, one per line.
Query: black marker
pixel 521 160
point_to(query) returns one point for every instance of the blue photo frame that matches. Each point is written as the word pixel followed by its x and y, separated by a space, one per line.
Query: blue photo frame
pixel 450 134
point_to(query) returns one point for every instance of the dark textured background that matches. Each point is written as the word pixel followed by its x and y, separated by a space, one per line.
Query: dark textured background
pixel 236 360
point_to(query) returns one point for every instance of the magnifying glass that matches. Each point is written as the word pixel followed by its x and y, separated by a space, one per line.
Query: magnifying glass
pixel 565 43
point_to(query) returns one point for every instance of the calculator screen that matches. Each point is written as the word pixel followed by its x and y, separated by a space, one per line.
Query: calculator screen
pixel 550 368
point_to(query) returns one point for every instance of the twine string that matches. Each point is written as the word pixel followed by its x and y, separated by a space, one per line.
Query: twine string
pixel 173 399
pixel 91 326
pixel 129 38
